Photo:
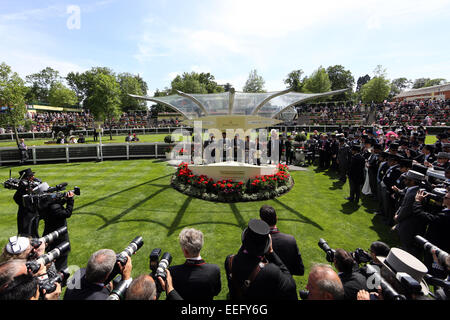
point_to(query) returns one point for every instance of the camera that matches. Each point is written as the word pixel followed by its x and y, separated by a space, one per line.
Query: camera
pixel 428 246
pixel 49 284
pixel 361 256
pixel 38 200
pixel 388 292
pixel 159 267
pixel 122 257
pixel 54 254
pixel 118 293
pixel 16 183
pixel 49 238
pixel 325 247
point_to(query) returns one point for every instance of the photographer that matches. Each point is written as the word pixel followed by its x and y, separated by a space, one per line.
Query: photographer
pixel 21 248
pixel 351 278
pixel 27 218
pixel 438 225
pixel 54 215
pixel 89 283
pixel 195 279
pixel 18 283
pixel 324 284
pixel 144 288
pixel 409 224
pixel 256 272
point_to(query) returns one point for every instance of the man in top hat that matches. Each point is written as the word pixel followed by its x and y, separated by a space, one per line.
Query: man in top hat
pixel 334 148
pixel 343 159
pixel 284 245
pixel 373 164
pixel 442 160
pixel 356 174
pixel 408 224
pixel 27 219
pixel 399 264
pixel 256 272
pixel 389 180
pixel 427 156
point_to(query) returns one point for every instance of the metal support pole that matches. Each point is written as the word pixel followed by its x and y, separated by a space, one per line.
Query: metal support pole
pixel 33 151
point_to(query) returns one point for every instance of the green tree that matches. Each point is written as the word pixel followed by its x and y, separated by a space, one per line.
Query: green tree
pixel 362 81
pixel 61 96
pixel 40 84
pixel 294 80
pixel 254 83
pixel 341 79
pixel 376 90
pixel 193 82
pixel 130 84
pixel 434 82
pixel 420 83
pixel 318 82
pixel 12 97
pixel 104 98
pixel 398 85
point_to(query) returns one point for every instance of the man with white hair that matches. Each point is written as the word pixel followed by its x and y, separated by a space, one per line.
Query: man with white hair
pixel 195 279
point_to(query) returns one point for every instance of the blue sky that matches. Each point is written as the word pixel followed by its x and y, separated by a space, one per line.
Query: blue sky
pixel 160 38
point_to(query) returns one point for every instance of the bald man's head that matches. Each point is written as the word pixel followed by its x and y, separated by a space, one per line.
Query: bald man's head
pixel 324 284
pixel 142 288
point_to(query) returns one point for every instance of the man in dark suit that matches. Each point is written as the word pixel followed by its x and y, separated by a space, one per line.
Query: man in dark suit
pixel 389 180
pixel 256 272
pixel 290 154
pixel 356 174
pixel 195 279
pixel 283 244
pixel 343 159
pixel 408 224
pixel 89 283
pixel 54 215
pixel 27 218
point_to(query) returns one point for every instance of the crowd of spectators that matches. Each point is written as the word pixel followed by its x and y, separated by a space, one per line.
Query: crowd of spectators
pixel 44 121
pixel 415 113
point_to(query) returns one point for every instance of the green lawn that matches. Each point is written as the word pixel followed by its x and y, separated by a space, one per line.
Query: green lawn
pixel 119 139
pixel 123 199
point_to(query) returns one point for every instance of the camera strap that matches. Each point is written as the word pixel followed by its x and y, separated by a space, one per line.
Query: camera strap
pixel 242 289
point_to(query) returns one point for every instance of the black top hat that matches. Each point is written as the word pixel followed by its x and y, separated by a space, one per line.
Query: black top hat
pixel 395 157
pixel 377 146
pixel 255 238
pixel 406 163
pixel 27 173
pixel 356 147
pixel 420 168
pixel 394 146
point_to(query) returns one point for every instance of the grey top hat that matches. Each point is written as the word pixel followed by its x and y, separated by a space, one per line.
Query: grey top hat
pixel 399 260
pixel 445 155
pixel 414 175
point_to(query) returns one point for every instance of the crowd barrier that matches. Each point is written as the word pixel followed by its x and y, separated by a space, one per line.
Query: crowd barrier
pixel 76 152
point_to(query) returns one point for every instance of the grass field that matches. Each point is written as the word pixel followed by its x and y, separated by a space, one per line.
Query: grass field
pixel 119 139
pixel 123 199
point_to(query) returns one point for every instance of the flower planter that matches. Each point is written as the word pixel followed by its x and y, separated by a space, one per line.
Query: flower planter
pixel 226 190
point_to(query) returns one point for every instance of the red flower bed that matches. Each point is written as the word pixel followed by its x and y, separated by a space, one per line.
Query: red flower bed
pixel 228 187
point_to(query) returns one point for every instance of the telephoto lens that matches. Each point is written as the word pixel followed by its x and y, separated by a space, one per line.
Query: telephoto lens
pixel 154 259
pixel 388 292
pixel 118 292
pixel 49 238
pixel 123 256
pixel 428 246
pixel 35 265
pixel 163 265
pixel 325 247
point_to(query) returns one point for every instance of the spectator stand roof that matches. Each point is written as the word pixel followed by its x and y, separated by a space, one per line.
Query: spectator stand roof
pixel 235 109
pixel 439 90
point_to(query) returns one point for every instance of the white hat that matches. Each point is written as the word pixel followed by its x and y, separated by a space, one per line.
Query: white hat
pixel 401 261
pixel 17 245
